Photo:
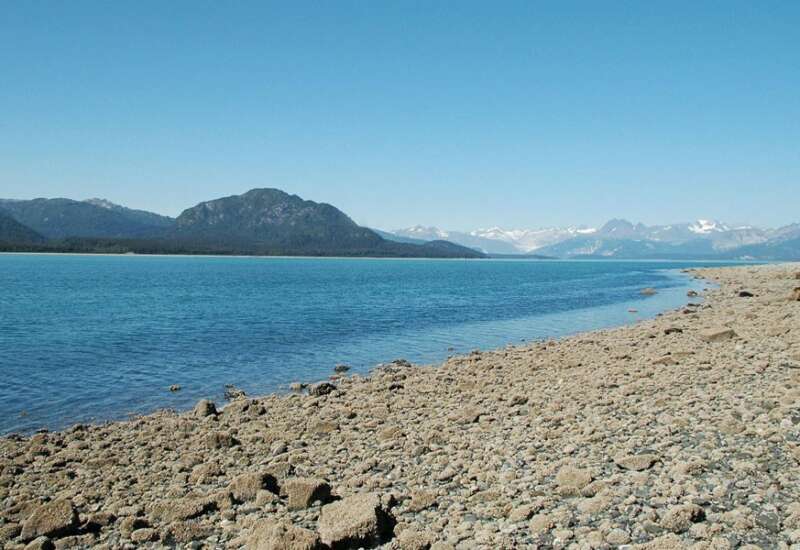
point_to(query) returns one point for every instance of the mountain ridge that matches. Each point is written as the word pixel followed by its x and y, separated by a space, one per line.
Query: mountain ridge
pixel 264 221
pixel 615 239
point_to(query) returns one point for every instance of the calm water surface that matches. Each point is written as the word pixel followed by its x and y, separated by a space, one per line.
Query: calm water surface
pixel 87 338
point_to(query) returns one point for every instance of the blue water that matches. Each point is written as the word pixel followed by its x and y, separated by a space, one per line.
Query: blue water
pixel 92 338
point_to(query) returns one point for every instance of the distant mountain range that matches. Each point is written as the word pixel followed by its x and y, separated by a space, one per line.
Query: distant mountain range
pixel 272 222
pixel 624 240
pixel 259 222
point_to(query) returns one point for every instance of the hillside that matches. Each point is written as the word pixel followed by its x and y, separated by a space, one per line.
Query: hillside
pixel 64 218
pixel 11 231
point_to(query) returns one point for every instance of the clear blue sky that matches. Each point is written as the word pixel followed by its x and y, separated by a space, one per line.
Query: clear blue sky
pixel 458 114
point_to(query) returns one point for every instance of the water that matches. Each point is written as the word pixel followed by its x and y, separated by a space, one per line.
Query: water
pixel 91 338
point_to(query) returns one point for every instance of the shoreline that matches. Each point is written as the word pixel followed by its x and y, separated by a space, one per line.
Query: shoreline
pixel 677 431
pixel 402 258
pixel 613 315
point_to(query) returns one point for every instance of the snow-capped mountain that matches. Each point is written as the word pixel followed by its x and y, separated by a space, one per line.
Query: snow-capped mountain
pixel 616 238
pixel 529 240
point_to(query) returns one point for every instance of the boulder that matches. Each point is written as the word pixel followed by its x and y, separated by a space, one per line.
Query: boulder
pixel 246 486
pixel 648 291
pixel 273 535
pixel 355 522
pixel 204 408
pixel 54 519
pixel 323 388
pixel 795 297
pixel 717 334
pixel 692 294
pixel 302 492
pixel 745 294
pixel 341 368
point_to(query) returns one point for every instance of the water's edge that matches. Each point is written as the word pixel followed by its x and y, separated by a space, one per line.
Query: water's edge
pixel 677 293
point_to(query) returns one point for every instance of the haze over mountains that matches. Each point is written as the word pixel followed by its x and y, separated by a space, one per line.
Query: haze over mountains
pixel 272 222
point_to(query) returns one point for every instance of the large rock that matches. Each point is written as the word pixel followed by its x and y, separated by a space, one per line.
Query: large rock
pixel 795 297
pixel 54 519
pixel 717 334
pixel 272 535
pixel 246 486
pixel 302 492
pixel 355 522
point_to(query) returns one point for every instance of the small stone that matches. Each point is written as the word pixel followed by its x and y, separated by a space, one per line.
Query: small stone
pixel 648 291
pixel 745 294
pixel 618 536
pixel 54 519
pixel 521 513
pixel 341 368
pixel 717 334
pixel 247 486
pixel 637 463
pixel 302 492
pixel 40 543
pixel 666 360
pixel 268 534
pixel 421 500
pixel 679 518
pixel 323 388
pixel 144 535
pixel 542 523
pixel 221 440
pixel 355 521
pixel 572 480
pixel 175 387
pixel 204 408
pixel 411 539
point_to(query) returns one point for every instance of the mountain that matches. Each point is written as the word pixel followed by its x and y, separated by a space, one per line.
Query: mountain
pixel 698 239
pixel 619 238
pixel 270 221
pixel 64 218
pixel 399 238
pixel 474 241
pixel 141 216
pixel 11 231
pixel 496 240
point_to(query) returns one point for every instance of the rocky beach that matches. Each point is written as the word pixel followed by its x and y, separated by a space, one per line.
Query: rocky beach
pixel 677 432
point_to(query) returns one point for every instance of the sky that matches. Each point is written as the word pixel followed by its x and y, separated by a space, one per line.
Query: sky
pixel 455 114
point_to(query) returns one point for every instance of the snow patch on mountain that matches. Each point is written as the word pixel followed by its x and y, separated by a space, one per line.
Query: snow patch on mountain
pixel 704 227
